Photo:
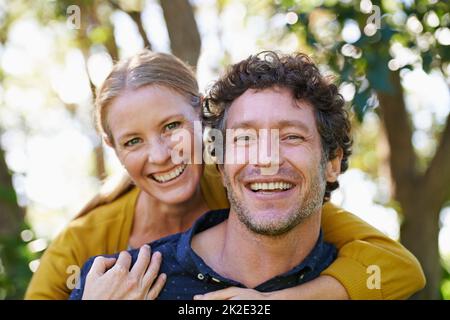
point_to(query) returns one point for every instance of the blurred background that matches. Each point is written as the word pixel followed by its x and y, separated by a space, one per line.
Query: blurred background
pixel 391 58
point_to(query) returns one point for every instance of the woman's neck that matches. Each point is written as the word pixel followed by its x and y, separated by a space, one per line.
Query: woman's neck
pixel 154 219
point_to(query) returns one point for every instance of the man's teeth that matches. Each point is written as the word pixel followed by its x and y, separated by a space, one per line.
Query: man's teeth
pixel 270 186
pixel 169 175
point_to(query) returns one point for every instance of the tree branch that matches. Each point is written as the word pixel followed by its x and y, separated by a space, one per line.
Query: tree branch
pixel 399 133
pixel 183 32
pixel 136 16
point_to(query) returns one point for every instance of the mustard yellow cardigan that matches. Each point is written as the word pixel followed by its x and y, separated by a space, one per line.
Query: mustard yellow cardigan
pixel 106 230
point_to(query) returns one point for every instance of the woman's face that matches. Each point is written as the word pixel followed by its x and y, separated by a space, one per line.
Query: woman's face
pixel 143 123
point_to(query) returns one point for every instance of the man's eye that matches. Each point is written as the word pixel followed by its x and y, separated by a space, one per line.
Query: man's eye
pixel 132 142
pixel 244 138
pixel 295 137
pixel 172 126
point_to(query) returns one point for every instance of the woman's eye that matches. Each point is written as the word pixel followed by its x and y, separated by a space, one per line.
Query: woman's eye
pixel 132 142
pixel 172 126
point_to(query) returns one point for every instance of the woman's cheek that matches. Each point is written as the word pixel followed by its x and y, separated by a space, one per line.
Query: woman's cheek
pixel 132 160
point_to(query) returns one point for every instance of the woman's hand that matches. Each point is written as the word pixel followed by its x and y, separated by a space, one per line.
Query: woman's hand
pixel 234 293
pixel 322 288
pixel 118 283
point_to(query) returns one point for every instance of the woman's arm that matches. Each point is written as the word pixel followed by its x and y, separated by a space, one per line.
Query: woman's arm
pixel 58 271
pixel 321 288
pixel 362 249
pixel 349 276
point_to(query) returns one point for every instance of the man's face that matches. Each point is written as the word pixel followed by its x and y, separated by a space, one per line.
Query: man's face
pixel 274 203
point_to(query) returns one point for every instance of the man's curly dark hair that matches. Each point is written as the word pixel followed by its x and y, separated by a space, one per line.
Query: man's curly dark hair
pixel 298 73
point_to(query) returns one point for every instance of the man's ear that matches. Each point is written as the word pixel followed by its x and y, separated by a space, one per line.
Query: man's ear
pixel 219 168
pixel 334 166
pixel 198 110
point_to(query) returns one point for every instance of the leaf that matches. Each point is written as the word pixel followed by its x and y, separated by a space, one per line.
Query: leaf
pixel 361 104
pixel 347 71
pixel 378 72
pixel 427 59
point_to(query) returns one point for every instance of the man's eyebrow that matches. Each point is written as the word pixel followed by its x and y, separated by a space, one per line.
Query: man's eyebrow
pixel 294 123
pixel 244 125
pixel 281 124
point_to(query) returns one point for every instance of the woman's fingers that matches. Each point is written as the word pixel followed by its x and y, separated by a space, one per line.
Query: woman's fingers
pixel 123 263
pixel 157 287
pixel 223 294
pixel 101 264
pixel 152 271
pixel 142 262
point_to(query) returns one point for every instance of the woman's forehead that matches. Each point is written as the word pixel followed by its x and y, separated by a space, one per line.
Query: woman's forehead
pixel 148 106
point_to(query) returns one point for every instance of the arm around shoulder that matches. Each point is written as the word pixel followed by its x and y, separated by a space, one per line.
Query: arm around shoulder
pixel 369 265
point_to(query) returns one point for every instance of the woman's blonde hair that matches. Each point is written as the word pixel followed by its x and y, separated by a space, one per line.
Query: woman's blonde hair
pixel 143 69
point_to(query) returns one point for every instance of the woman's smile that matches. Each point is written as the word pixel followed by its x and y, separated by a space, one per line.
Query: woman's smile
pixel 170 175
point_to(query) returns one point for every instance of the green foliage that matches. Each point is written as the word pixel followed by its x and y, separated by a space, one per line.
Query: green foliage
pixel 8 195
pixel 413 26
pixel 445 287
pixel 15 273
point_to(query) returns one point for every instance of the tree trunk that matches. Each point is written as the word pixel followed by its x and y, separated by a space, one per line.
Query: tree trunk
pixel 421 196
pixel 184 37
pixel 11 215
pixel 419 233
pixel 85 46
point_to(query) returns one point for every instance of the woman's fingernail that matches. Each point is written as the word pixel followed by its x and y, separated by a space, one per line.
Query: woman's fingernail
pixel 198 297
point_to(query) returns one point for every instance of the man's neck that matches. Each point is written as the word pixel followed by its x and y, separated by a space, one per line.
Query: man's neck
pixel 237 253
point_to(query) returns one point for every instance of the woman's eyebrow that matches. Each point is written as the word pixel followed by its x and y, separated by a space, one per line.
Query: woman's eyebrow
pixel 127 135
pixel 166 119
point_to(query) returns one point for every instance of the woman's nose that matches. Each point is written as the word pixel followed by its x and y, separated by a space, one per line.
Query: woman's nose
pixel 158 152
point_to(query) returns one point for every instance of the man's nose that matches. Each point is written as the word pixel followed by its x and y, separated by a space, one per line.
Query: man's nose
pixel 158 152
pixel 269 156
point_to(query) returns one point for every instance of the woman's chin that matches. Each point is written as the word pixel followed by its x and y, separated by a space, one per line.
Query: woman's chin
pixel 175 197
pixel 176 194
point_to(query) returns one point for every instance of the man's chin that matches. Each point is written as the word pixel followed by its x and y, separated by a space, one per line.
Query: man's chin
pixel 268 221
pixel 270 228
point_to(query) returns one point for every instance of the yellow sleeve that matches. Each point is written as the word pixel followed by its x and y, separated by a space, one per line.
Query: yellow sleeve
pixel 360 246
pixel 50 281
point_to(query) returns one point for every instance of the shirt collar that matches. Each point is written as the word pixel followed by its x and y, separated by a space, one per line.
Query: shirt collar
pixel 194 264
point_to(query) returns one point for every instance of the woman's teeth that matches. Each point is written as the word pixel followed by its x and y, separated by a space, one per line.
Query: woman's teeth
pixel 172 174
pixel 270 186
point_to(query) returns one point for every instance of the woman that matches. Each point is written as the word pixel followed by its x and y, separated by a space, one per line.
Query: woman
pixel 142 103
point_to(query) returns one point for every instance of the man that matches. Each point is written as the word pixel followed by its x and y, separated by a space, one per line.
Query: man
pixel 268 240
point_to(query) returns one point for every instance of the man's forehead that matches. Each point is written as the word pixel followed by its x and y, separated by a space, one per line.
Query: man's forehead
pixel 275 106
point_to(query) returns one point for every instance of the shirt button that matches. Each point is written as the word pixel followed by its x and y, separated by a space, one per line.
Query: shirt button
pixel 200 276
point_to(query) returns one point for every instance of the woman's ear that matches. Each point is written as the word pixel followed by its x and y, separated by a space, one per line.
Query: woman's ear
pixel 108 141
pixel 333 169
